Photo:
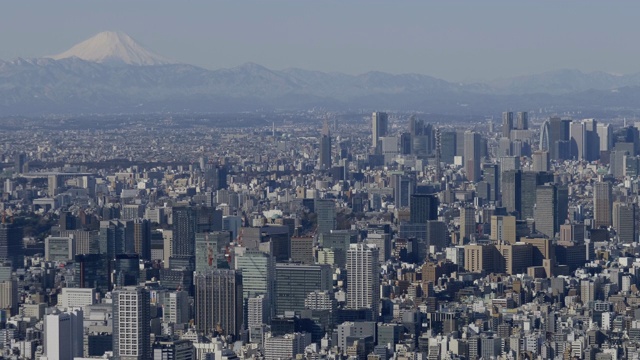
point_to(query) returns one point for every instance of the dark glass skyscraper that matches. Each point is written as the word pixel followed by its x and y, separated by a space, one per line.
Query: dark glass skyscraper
pixel 424 207
pixel 11 245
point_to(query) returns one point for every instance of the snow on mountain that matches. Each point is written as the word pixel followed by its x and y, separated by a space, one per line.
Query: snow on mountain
pixel 113 47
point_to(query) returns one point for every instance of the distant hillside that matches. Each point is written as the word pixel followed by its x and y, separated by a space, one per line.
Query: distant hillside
pixel 110 73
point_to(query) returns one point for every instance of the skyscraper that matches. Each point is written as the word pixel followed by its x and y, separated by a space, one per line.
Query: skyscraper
pixel 448 146
pixel 602 203
pixel 294 282
pixel 63 335
pixel 116 237
pixel 577 131
pixel 605 135
pixel 423 207
pixel 530 181
pixel 326 215
pixel 507 124
pixel 541 161
pixel 491 175
pixel 624 221
pixel 325 148
pixel 91 271
pixel 184 234
pixel 218 302
pixel 379 127
pixel 591 140
pixel 403 188
pixel 11 244
pixel 551 209
pixel 363 278
pixel 503 229
pixel 131 318
pixel 467 222
pixel 142 238
pixel 472 155
pixel 511 186
pixel 559 136
pixel 545 130
pixel 522 120
pixel 258 274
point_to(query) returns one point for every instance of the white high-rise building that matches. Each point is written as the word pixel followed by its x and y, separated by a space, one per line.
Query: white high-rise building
pixel 363 277
pixel 131 329
pixel 63 335
pixel 257 311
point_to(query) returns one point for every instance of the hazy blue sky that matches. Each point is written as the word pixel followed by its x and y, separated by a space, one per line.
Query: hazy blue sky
pixel 454 40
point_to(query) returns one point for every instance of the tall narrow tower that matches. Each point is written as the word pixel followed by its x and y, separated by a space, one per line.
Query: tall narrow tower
pixel 379 127
pixel 438 154
pixel 325 147
pixel 602 204
pixel 363 278
pixel 131 317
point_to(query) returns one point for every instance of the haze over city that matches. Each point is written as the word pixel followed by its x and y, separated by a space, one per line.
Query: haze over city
pixel 279 180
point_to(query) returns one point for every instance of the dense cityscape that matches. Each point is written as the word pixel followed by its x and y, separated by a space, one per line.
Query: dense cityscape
pixel 320 235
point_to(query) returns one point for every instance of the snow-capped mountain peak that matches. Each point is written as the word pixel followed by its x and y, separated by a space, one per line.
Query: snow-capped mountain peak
pixel 113 47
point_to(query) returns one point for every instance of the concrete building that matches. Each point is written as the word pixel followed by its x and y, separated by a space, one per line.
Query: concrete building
pixel 131 319
pixel 363 277
pixel 63 335
pixel 218 302
pixel 287 346
pixel 59 249
pixel 602 204
pixel 76 298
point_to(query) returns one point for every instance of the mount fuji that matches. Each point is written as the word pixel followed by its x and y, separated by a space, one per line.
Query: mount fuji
pixel 113 47
pixel 111 73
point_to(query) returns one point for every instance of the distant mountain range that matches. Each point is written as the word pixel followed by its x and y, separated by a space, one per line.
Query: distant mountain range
pixel 111 73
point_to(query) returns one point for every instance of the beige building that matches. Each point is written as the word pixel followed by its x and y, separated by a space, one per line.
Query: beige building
pixel 503 229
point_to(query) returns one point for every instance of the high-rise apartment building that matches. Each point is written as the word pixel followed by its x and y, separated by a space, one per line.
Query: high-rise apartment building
pixel 131 323
pixel 363 278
